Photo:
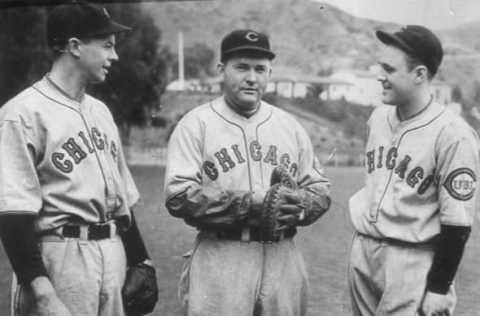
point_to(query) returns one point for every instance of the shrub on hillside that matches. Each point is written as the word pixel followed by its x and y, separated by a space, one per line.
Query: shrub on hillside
pixel 351 117
pixel 159 121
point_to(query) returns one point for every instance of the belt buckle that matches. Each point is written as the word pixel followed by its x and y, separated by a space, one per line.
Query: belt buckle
pixel 113 228
pixel 280 237
pixel 84 233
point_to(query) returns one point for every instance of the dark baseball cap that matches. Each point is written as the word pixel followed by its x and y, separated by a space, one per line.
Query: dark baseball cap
pixel 246 41
pixel 417 41
pixel 80 19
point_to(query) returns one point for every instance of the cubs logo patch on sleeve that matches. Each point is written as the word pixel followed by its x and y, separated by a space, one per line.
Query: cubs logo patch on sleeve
pixel 461 183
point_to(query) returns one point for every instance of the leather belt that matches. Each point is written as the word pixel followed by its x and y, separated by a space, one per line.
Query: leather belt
pixel 90 232
pixel 400 243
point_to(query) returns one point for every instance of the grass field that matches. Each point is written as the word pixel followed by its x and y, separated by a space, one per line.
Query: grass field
pixel 325 246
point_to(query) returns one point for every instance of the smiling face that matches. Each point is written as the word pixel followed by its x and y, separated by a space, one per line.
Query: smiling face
pixel 96 56
pixel 397 79
pixel 245 81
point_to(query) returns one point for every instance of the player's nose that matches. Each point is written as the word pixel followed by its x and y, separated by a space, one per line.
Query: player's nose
pixel 113 56
pixel 381 77
pixel 251 76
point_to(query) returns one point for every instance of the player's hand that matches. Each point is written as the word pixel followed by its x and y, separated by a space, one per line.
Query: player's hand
pixel 46 299
pixel 435 304
pixel 292 211
pixel 140 291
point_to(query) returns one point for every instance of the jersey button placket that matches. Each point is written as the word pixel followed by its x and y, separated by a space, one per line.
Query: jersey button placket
pixel 100 155
pixel 111 198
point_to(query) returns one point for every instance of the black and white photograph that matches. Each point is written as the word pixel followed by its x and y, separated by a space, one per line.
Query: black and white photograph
pixel 239 158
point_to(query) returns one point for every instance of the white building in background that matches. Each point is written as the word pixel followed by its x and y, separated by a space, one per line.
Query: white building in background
pixel 289 82
pixel 299 86
pixel 355 86
pixel 364 88
pixel 288 88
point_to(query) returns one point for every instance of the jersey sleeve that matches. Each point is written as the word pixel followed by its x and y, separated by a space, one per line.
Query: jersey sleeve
pixel 128 183
pixel 311 176
pixel 310 171
pixel 458 169
pixel 19 183
pixel 186 196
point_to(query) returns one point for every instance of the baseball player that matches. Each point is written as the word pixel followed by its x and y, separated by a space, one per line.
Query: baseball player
pixel 413 217
pixel 220 160
pixel 66 194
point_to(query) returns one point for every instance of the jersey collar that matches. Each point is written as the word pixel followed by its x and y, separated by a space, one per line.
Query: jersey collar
pixel 425 116
pixel 53 92
pixel 263 112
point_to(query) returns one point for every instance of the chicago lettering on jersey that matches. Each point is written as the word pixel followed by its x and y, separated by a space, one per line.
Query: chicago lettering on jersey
pixel 75 149
pixel 228 158
pixel 414 176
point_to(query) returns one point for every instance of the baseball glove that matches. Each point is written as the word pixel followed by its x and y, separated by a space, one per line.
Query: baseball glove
pixel 140 291
pixel 287 206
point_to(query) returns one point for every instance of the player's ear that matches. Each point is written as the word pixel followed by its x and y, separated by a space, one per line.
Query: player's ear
pixel 73 46
pixel 421 74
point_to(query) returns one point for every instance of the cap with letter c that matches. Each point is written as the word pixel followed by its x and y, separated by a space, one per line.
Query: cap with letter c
pixel 246 41
pixel 80 19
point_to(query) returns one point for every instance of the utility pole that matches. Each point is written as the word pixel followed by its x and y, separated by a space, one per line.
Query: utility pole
pixel 181 68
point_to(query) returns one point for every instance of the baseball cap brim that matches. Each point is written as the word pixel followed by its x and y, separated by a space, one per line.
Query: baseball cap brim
pixel 392 39
pixel 253 49
pixel 112 28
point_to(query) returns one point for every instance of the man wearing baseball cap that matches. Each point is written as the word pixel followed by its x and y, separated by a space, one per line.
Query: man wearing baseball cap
pixel 66 194
pixel 413 216
pixel 221 178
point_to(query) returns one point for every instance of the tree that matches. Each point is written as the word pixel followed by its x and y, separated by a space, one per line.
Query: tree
pixel 23 54
pixel 314 90
pixel 136 83
pixel 457 94
pixel 198 61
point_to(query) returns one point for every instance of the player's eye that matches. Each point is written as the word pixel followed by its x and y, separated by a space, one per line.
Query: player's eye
pixel 242 67
pixel 260 69
pixel 387 68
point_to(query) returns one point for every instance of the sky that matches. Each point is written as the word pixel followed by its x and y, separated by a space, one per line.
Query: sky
pixel 436 14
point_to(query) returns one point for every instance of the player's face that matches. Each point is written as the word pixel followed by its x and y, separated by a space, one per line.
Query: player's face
pixel 96 57
pixel 245 80
pixel 396 79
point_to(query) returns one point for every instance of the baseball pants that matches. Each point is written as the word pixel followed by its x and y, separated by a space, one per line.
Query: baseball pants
pixel 238 278
pixel 388 278
pixel 87 275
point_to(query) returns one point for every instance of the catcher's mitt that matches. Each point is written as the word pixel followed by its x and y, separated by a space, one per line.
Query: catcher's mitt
pixel 270 225
pixel 140 291
pixel 285 205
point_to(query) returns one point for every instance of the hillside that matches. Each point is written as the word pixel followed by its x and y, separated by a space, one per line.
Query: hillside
pixel 308 35
pixel 305 34
pixel 461 65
